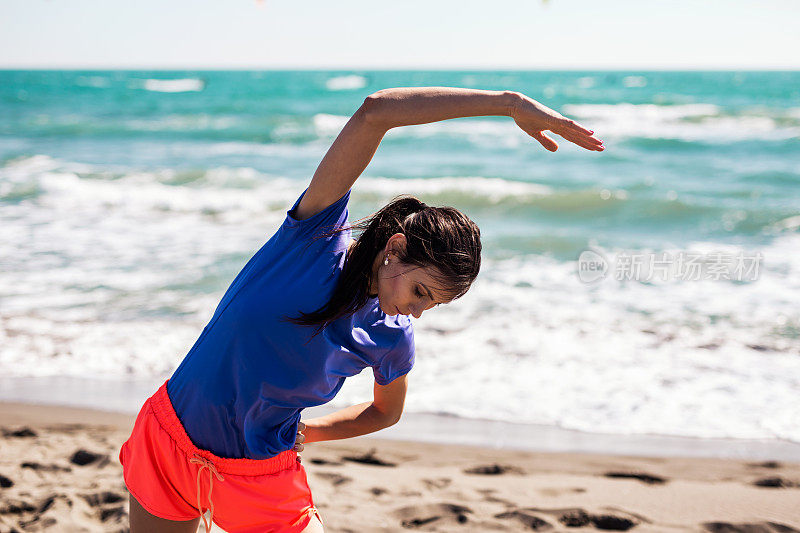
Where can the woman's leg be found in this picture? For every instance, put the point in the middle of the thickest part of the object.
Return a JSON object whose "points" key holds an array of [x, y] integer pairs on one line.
{"points": [[144, 522]]}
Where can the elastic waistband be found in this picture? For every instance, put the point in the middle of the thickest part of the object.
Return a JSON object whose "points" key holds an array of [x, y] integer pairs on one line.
{"points": [[168, 419]]}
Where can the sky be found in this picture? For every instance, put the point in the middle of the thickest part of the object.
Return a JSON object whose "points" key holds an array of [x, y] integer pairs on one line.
{"points": [[426, 34]]}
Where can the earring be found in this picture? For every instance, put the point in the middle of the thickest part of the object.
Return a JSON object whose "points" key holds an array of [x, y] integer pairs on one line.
{"points": [[386, 261]]}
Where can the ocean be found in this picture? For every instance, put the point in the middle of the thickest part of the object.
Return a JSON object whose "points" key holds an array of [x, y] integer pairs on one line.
{"points": [[129, 200]]}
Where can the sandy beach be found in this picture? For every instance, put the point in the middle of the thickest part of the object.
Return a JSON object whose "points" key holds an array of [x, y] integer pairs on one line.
{"points": [[59, 472]]}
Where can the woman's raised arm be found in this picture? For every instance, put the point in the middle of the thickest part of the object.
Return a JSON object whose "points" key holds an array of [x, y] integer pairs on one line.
{"points": [[353, 149], [418, 105]]}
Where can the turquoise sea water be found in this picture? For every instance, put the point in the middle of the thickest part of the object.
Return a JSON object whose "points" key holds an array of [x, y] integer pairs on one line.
{"points": [[130, 199]]}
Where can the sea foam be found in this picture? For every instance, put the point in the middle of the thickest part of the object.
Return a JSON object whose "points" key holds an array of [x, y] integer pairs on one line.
{"points": [[346, 83], [116, 275]]}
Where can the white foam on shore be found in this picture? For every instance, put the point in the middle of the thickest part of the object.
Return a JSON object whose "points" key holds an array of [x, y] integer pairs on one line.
{"points": [[700, 122], [217, 190], [492, 190], [346, 83], [327, 125]]}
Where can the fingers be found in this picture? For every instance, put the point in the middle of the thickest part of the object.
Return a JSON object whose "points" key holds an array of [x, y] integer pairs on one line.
{"points": [[545, 141], [569, 130], [300, 438], [590, 143], [575, 133], [573, 126]]}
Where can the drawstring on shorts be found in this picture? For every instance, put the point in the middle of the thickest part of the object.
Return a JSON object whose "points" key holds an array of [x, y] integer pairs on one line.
{"points": [[212, 473]]}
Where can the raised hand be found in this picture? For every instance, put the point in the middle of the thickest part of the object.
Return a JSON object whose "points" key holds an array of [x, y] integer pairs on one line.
{"points": [[534, 118]]}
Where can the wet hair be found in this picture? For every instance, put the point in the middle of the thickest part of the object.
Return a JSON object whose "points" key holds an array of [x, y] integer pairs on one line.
{"points": [[439, 237]]}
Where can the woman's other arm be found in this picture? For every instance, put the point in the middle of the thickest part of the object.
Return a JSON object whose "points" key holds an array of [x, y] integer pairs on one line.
{"points": [[356, 144], [385, 410]]}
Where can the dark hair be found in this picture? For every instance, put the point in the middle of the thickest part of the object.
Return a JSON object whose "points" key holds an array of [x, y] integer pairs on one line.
{"points": [[439, 237]]}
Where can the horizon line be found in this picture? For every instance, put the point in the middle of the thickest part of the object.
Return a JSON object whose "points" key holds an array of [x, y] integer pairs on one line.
{"points": [[244, 68]]}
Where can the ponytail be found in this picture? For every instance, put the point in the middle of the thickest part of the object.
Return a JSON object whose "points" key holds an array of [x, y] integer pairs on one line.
{"points": [[441, 237]]}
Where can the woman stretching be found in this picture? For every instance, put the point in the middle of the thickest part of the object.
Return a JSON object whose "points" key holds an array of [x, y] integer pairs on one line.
{"points": [[308, 310]]}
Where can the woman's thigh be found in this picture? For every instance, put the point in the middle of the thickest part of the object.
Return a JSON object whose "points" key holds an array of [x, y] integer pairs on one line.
{"points": [[144, 522]]}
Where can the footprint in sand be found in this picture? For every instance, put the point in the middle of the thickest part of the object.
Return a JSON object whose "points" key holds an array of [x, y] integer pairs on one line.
{"points": [[107, 503], [38, 523], [325, 462], [85, 457], [44, 512], [368, 458], [39, 467], [102, 498], [555, 492], [775, 483], [488, 496], [493, 470], [72, 429], [752, 527], [48, 502], [113, 514], [765, 464], [16, 507], [644, 478], [334, 478], [19, 433], [611, 522], [577, 517], [530, 521], [439, 483], [416, 516]]}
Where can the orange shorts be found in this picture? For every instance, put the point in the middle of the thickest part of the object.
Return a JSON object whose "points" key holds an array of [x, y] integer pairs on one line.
{"points": [[174, 479]]}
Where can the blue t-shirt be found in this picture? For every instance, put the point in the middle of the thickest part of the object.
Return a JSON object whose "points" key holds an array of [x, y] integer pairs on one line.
{"points": [[240, 389]]}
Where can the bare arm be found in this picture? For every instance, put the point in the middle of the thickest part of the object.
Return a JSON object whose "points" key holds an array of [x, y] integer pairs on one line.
{"points": [[356, 144], [368, 417], [404, 106]]}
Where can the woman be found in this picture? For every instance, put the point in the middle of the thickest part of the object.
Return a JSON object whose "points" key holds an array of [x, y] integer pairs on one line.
{"points": [[309, 309]]}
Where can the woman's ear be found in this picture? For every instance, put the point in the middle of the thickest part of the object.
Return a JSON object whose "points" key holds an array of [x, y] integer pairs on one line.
{"points": [[396, 244]]}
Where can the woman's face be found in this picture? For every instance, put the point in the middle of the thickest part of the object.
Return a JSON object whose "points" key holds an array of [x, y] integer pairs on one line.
{"points": [[404, 289], [407, 289]]}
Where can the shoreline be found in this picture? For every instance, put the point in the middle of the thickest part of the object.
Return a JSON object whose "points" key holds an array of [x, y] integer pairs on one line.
{"points": [[390, 485], [124, 398]]}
